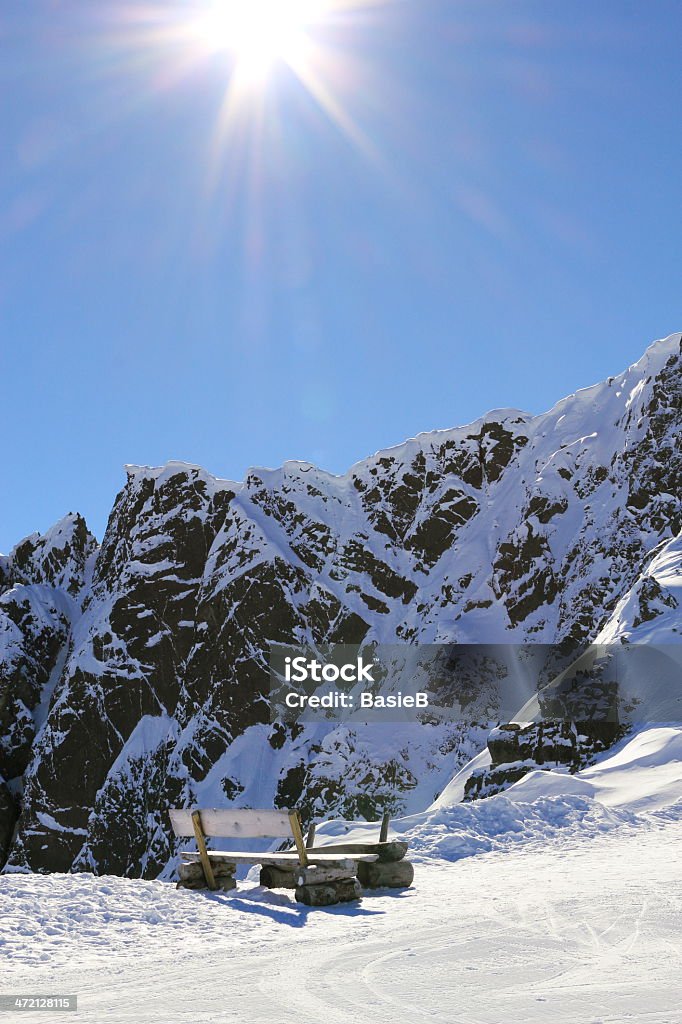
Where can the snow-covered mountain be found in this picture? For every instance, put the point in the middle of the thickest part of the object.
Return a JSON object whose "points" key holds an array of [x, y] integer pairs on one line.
{"points": [[131, 672]]}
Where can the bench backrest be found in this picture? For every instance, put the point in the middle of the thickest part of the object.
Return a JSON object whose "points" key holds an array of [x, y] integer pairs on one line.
{"points": [[230, 822], [250, 824]]}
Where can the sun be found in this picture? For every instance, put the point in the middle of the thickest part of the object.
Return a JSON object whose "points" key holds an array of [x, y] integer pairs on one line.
{"points": [[259, 33]]}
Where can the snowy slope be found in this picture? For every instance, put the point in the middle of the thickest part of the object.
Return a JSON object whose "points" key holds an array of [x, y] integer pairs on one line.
{"points": [[570, 912], [641, 775], [137, 676], [649, 612]]}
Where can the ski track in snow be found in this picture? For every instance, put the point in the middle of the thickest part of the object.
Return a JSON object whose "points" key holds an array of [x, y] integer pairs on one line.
{"points": [[576, 929]]}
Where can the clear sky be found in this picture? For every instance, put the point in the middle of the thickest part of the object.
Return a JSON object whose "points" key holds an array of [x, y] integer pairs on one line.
{"points": [[430, 210]]}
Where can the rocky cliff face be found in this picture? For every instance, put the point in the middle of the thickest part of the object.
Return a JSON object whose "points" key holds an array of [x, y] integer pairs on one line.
{"points": [[134, 674]]}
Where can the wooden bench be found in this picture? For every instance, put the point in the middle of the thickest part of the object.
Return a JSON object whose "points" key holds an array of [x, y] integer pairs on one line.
{"points": [[386, 868], [323, 877]]}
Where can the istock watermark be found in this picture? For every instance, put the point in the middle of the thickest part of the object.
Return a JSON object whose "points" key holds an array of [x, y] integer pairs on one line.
{"points": [[341, 682], [614, 684], [301, 669]]}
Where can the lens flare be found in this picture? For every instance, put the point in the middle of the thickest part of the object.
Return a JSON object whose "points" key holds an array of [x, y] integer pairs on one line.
{"points": [[259, 33]]}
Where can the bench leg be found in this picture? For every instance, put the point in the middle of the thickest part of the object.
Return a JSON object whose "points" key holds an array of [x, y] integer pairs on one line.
{"points": [[192, 875], [397, 874], [326, 894], [203, 852], [277, 878]]}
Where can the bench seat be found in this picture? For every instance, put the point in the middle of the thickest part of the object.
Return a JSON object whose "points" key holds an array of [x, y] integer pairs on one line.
{"points": [[391, 850], [286, 859]]}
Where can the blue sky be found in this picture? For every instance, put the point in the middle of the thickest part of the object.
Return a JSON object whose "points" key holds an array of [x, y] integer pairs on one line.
{"points": [[493, 220]]}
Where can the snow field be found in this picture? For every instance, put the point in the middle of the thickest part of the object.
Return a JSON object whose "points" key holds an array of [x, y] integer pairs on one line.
{"points": [[557, 902], [577, 929]]}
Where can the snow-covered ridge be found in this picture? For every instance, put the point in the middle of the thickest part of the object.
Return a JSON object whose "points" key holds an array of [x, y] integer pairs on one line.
{"points": [[174, 467], [630, 380]]}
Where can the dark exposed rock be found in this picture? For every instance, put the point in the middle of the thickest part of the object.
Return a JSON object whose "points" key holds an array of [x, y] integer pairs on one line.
{"points": [[8, 817], [484, 782], [58, 558], [541, 742], [516, 750]]}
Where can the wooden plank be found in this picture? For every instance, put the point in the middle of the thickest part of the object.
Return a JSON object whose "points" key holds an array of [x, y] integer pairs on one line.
{"points": [[296, 831], [310, 838], [383, 834], [203, 853], [290, 859], [393, 850], [232, 822]]}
